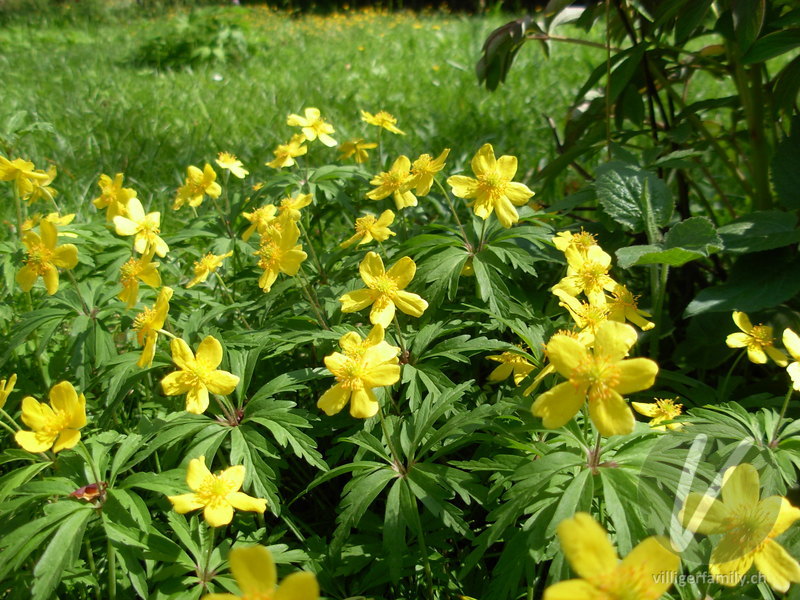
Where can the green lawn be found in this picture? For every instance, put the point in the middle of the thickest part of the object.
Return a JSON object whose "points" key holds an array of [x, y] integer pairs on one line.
{"points": [[106, 115]]}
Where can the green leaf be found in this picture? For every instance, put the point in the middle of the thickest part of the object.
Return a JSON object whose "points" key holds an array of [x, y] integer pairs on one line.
{"points": [[783, 169], [499, 50], [394, 531], [621, 189], [758, 280], [360, 492], [61, 552], [760, 230], [688, 240], [748, 18], [772, 45], [10, 482], [579, 488]]}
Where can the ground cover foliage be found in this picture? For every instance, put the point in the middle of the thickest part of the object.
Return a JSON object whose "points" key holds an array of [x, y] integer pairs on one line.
{"points": [[365, 344]]}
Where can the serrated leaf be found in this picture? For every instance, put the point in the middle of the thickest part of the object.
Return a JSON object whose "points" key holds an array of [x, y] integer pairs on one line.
{"points": [[760, 230], [688, 240], [621, 189], [60, 553]]}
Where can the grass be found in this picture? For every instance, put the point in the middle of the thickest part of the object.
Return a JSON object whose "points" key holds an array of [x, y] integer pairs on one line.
{"points": [[103, 114]]}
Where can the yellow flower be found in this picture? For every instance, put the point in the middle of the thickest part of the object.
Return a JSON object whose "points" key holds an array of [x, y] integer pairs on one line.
{"points": [[291, 205], [197, 376], [511, 363], [55, 426], [148, 322], [279, 252], [365, 364], [286, 153], [581, 241], [358, 148], [587, 317], [396, 181], [135, 270], [6, 387], [228, 161], [424, 169], [113, 197], [259, 219], [23, 173], [659, 411], [749, 527], [587, 273], [254, 571], [622, 306], [493, 189], [792, 343], [217, 495], [381, 119], [757, 339], [145, 227], [601, 375], [369, 228], [313, 126], [645, 574], [44, 257], [196, 186], [40, 187], [54, 218], [206, 266], [385, 290]]}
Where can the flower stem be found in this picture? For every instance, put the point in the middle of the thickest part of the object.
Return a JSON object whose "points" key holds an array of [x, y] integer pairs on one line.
{"points": [[723, 391], [312, 300], [168, 334], [483, 234], [314, 256], [467, 245], [206, 575], [398, 465], [7, 428], [87, 311], [112, 572], [400, 336], [10, 418], [784, 408]]}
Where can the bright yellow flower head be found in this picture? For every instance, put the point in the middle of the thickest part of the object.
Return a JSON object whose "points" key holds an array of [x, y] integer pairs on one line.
{"points": [[646, 573], [792, 343], [135, 270], [6, 387], [381, 119], [601, 375], [259, 219], [206, 266], [23, 173], [148, 322], [511, 363], [313, 126], [659, 411], [424, 169], [145, 227], [196, 186], [587, 317], [113, 197], [228, 161], [55, 426], [369, 228], [217, 495], [40, 187], [622, 307], [357, 148], [54, 218], [44, 258], [286, 153], [254, 571], [749, 526], [279, 252], [197, 376], [397, 181], [385, 290], [581, 241], [587, 273], [365, 364], [493, 189], [758, 340], [291, 205]]}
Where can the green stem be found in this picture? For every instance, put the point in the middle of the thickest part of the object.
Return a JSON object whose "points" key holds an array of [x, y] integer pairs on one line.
{"points": [[467, 245], [112, 572], [18, 204], [784, 408], [314, 256], [168, 334], [658, 307], [87, 311], [10, 418], [92, 567], [92, 465], [483, 235], [206, 574], [8, 428], [398, 465], [310, 296], [399, 335], [723, 396]]}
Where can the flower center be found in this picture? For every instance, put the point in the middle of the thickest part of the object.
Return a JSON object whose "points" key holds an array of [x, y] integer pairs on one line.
{"points": [[351, 374], [599, 374], [760, 336], [394, 180], [386, 285], [491, 184], [269, 254], [40, 258], [201, 372], [590, 274], [214, 491], [667, 409], [144, 319], [205, 264], [130, 271], [364, 224]]}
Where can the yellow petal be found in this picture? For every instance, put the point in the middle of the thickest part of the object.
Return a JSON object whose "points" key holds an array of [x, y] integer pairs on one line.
{"points": [[654, 562], [500, 373], [779, 568], [704, 514], [463, 187], [197, 473], [410, 303], [218, 515], [402, 272], [242, 501], [484, 160], [506, 213], [372, 270], [382, 311], [518, 193], [254, 570], [741, 486], [124, 226], [559, 404], [611, 415], [507, 167], [197, 399], [35, 442], [209, 352], [222, 382], [571, 589], [334, 400], [26, 277], [566, 353], [176, 383], [787, 515], [635, 374], [728, 564], [357, 300], [792, 343], [63, 397], [648, 409], [363, 404], [742, 321], [68, 438], [737, 340], [185, 503], [233, 476], [613, 340], [381, 375], [298, 586], [50, 278], [182, 355], [756, 355], [794, 372], [586, 546], [66, 256]]}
